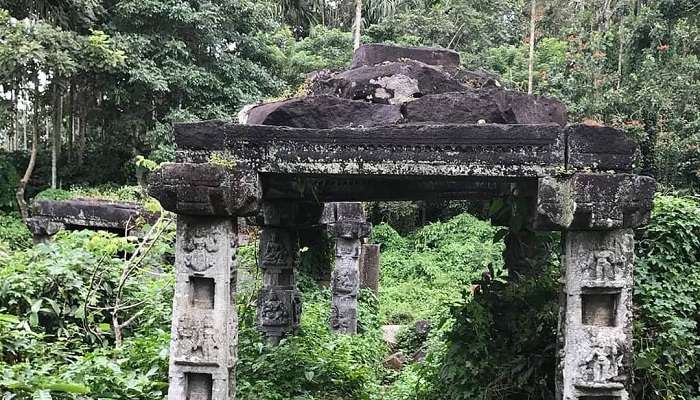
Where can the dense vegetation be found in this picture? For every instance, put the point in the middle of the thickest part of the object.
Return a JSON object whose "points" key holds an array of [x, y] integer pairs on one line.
{"points": [[58, 341], [90, 90]]}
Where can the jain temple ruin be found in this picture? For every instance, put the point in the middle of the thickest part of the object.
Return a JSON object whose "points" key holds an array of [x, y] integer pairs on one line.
{"points": [[402, 124]]}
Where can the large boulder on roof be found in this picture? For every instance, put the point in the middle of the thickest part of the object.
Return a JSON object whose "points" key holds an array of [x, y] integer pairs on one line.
{"points": [[371, 54], [387, 83], [324, 112], [493, 105]]}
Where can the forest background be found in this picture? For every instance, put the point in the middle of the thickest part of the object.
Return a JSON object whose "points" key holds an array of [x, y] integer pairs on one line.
{"points": [[92, 88]]}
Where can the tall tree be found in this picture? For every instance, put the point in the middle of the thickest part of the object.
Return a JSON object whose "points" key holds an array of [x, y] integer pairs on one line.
{"points": [[531, 60]]}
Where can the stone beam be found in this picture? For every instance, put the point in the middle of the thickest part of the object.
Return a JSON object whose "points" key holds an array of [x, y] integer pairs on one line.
{"points": [[412, 149], [49, 216], [594, 202], [402, 150]]}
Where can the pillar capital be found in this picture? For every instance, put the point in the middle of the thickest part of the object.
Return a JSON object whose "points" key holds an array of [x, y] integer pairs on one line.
{"points": [[588, 201]]}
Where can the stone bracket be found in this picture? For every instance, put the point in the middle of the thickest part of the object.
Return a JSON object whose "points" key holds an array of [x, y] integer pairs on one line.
{"points": [[593, 202], [205, 189]]}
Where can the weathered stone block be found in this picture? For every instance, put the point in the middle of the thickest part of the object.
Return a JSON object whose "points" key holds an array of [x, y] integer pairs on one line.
{"points": [[204, 189], [594, 202], [371, 54], [324, 112], [494, 105], [404, 150], [369, 267], [388, 83], [600, 149], [50, 216]]}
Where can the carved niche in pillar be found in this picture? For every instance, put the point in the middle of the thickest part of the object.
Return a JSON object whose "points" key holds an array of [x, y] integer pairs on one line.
{"points": [[279, 310]]}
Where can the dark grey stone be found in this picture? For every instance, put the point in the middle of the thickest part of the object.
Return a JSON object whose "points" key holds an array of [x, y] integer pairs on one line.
{"points": [[388, 83], [50, 216], [493, 105], [324, 112], [371, 54]]}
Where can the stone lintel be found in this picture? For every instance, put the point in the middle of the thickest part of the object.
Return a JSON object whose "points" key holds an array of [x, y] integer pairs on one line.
{"points": [[290, 214], [50, 216], [594, 202], [205, 189], [414, 149], [403, 150]]}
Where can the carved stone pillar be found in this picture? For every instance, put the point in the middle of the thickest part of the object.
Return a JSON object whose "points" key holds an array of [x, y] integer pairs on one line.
{"points": [[279, 303], [349, 228], [205, 325], [369, 267], [595, 337]]}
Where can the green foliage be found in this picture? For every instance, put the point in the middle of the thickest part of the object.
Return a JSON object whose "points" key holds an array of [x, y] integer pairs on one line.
{"points": [[14, 232], [55, 329], [315, 364], [667, 296], [9, 178], [323, 48], [427, 272], [104, 192]]}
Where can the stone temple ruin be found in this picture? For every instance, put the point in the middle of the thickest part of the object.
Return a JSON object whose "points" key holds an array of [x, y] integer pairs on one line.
{"points": [[401, 124], [50, 216]]}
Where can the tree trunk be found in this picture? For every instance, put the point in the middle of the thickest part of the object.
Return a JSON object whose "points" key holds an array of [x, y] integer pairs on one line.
{"points": [[55, 138], [620, 50], [531, 62], [71, 121], [19, 195], [358, 24]]}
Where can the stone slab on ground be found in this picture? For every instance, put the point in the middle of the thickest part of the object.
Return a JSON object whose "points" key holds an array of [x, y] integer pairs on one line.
{"points": [[49, 216]]}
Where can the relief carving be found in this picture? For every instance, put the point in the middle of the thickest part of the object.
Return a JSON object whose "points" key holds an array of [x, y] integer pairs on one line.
{"points": [[196, 340], [201, 246], [604, 265], [347, 248], [345, 281], [275, 251], [274, 311], [342, 320], [603, 365]]}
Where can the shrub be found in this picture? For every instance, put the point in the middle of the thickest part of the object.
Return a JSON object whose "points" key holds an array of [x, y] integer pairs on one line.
{"points": [[667, 300]]}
